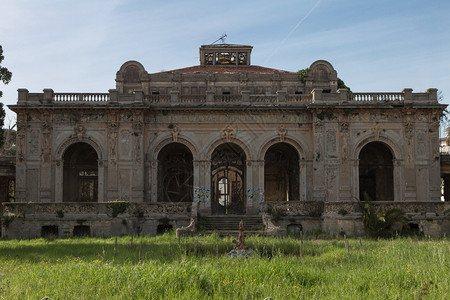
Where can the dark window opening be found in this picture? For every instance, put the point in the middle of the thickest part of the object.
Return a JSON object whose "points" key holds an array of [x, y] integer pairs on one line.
{"points": [[163, 228], [326, 91], [298, 92], [175, 174], [281, 173], [81, 231], [49, 231], [376, 180]]}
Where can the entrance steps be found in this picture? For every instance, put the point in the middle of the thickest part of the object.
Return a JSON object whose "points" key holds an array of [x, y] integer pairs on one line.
{"points": [[226, 225]]}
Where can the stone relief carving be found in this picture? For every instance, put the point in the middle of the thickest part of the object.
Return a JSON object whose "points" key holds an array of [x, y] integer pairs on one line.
{"points": [[228, 132], [175, 132], [80, 131], [46, 145], [376, 130], [331, 142], [282, 131], [33, 142]]}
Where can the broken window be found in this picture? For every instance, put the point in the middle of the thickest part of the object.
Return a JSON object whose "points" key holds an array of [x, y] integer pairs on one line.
{"points": [[376, 179], [175, 174], [209, 58], [227, 176], [242, 58], [281, 173], [225, 58]]}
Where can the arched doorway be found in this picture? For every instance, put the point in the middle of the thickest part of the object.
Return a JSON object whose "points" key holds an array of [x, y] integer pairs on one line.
{"points": [[175, 174], [228, 179], [80, 174], [376, 172], [281, 173]]}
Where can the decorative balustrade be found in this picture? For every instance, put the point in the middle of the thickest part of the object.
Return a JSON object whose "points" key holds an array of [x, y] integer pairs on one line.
{"points": [[158, 98], [192, 99], [377, 97], [299, 98], [263, 99], [286, 208], [80, 97], [93, 208], [228, 98]]}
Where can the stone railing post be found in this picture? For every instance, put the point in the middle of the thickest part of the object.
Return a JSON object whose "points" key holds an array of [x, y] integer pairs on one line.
{"points": [[245, 97], [23, 96], [407, 95], [281, 95], [113, 96], [48, 96], [432, 95], [317, 95], [138, 96], [174, 97], [210, 97], [343, 94]]}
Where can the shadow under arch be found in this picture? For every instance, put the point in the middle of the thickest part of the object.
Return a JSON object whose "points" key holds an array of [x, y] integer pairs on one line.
{"points": [[80, 173], [175, 173], [376, 172]]}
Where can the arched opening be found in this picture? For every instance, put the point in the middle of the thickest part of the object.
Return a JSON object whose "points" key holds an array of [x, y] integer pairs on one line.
{"points": [[175, 174], [376, 178], [228, 179], [80, 179], [281, 173]]}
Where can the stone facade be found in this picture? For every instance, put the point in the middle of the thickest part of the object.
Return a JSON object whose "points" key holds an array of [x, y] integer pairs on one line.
{"points": [[231, 137]]}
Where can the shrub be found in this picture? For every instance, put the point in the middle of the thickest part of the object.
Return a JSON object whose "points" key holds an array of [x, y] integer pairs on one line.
{"points": [[118, 207]]}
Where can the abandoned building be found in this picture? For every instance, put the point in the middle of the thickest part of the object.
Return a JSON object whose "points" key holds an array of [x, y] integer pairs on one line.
{"points": [[224, 140]]}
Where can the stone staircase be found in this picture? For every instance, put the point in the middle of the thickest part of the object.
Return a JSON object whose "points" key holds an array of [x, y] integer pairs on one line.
{"points": [[226, 225]]}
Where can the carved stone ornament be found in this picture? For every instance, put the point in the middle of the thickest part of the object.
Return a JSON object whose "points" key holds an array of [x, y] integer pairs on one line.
{"points": [[175, 133], [282, 132], [376, 130], [228, 132], [344, 126], [210, 76], [137, 126], [409, 130], [80, 130]]}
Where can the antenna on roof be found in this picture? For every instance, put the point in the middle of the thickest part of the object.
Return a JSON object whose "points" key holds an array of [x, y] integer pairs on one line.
{"points": [[222, 39]]}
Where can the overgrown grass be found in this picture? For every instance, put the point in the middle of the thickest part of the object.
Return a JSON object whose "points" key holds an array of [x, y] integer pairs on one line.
{"points": [[189, 268]]}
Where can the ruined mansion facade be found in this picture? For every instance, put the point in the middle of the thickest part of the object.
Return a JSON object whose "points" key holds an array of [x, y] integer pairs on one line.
{"points": [[224, 138]]}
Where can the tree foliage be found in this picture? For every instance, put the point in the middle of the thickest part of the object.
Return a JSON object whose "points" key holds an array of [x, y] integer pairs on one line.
{"points": [[5, 77]]}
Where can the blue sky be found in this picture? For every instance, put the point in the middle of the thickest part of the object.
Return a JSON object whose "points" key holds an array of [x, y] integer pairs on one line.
{"points": [[78, 46]]}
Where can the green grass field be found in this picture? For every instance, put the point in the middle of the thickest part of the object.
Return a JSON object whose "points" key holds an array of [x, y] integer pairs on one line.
{"points": [[190, 268]]}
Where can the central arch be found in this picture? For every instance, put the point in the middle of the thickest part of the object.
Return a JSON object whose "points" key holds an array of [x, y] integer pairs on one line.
{"points": [[228, 179], [80, 173]]}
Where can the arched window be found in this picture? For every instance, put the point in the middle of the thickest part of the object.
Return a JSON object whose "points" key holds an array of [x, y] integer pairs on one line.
{"points": [[175, 174], [281, 173], [80, 179], [228, 179], [376, 179]]}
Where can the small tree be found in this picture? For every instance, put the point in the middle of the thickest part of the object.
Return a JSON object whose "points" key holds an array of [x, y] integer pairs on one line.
{"points": [[5, 77]]}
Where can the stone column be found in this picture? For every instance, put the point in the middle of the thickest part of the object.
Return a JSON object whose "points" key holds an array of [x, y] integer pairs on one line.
{"points": [[154, 181], [59, 177], [101, 181]]}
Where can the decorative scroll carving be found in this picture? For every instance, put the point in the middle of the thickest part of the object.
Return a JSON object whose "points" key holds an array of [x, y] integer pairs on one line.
{"points": [[228, 132], [282, 131]]}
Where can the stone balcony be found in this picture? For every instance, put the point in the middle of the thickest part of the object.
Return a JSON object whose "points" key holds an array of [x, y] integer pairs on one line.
{"points": [[174, 99]]}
